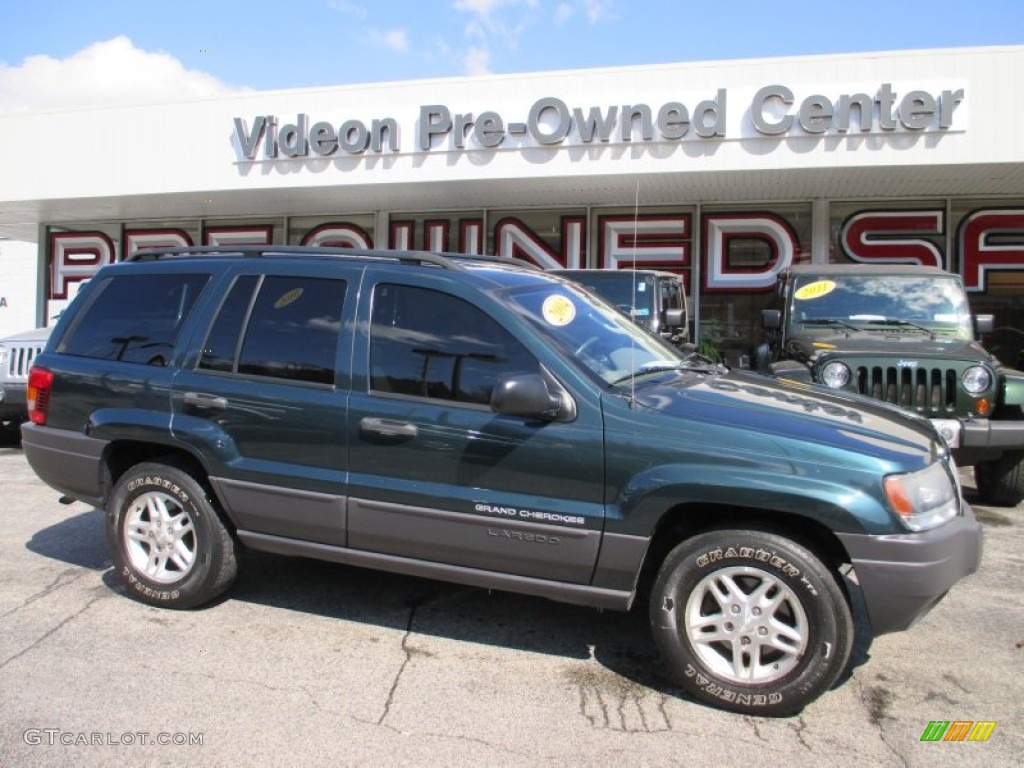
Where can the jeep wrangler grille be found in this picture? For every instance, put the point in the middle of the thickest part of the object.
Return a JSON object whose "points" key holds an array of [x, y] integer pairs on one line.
{"points": [[928, 390], [20, 357]]}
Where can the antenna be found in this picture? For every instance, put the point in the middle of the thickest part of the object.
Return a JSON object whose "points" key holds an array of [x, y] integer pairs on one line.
{"points": [[632, 303]]}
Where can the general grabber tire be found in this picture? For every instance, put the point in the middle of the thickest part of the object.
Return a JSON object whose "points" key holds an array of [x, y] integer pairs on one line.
{"points": [[750, 621], [165, 538]]}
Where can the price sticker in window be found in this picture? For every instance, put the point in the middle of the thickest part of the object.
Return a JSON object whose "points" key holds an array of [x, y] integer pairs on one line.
{"points": [[815, 290], [289, 298], [558, 310]]}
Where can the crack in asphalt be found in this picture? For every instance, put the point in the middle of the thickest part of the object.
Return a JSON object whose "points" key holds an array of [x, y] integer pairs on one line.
{"points": [[58, 583], [607, 699], [53, 630], [798, 727], [876, 701], [755, 725], [413, 607]]}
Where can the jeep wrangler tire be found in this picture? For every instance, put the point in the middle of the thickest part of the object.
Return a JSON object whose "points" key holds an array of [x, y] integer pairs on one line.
{"points": [[1001, 481], [750, 621], [166, 540]]}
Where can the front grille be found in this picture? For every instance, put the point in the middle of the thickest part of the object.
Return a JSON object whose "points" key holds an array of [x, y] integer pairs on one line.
{"points": [[927, 390], [20, 357]]}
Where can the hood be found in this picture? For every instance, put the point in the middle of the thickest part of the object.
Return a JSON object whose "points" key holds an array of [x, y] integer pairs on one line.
{"points": [[36, 334], [905, 344], [802, 416]]}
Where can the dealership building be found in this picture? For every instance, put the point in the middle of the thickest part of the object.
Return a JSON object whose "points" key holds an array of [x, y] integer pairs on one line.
{"points": [[726, 172]]}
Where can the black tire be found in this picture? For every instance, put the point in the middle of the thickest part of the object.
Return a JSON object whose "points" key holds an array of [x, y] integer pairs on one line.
{"points": [[800, 629], [10, 431], [1001, 481], [166, 540]]}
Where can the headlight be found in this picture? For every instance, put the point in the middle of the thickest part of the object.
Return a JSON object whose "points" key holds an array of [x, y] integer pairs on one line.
{"points": [[924, 499], [3, 356], [976, 379], [835, 375]]}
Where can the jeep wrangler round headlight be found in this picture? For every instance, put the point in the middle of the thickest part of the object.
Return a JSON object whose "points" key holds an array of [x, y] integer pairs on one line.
{"points": [[976, 379], [924, 499], [835, 375]]}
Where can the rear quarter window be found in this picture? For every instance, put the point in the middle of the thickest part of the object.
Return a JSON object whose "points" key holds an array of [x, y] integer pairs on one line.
{"points": [[134, 318]]}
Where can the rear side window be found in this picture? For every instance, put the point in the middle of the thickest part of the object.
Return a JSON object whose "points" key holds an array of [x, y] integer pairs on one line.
{"points": [[134, 318], [278, 326]]}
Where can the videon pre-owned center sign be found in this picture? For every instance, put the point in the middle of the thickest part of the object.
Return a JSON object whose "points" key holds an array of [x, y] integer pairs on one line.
{"points": [[774, 111]]}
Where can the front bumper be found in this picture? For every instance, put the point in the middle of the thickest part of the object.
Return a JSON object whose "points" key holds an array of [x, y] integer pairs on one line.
{"points": [[12, 401], [903, 576], [985, 433]]}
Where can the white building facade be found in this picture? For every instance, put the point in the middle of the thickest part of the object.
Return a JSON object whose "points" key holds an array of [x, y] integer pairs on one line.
{"points": [[727, 172]]}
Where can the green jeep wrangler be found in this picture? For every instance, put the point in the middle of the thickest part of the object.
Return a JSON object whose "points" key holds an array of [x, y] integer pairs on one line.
{"points": [[905, 335]]}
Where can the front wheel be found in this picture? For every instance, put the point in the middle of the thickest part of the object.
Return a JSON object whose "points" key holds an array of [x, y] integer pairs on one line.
{"points": [[165, 538], [1001, 481], [750, 621]]}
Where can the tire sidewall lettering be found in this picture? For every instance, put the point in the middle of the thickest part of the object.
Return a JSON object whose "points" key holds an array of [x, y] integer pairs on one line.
{"points": [[766, 557]]}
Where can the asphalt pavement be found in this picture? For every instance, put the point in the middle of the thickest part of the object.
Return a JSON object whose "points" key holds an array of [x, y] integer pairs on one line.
{"points": [[309, 663]]}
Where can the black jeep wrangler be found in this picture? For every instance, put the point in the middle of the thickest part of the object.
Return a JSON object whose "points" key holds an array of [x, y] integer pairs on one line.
{"points": [[904, 335], [483, 422]]}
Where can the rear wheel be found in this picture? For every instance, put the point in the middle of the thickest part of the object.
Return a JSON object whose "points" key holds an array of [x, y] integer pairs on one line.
{"points": [[1001, 481], [165, 538], [750, 621]]}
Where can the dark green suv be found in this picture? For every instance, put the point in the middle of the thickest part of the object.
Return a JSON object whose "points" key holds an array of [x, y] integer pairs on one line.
{"points": [[905, 335], [481, 421]]}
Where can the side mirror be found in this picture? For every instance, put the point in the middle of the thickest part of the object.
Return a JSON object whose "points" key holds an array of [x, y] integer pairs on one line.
{"points": [[771, 319], [984, 324], [675, 318], [527, 395]]}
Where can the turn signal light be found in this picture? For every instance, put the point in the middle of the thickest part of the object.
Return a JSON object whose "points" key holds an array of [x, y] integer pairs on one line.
{"points": [[981, 406]]}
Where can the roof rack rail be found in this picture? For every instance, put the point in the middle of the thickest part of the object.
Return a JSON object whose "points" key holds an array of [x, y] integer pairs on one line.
{"points": [[435, 258]]}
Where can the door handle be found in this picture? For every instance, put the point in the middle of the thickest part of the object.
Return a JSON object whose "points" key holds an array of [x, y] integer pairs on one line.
{"points": [[396, 430], [203, 400]]}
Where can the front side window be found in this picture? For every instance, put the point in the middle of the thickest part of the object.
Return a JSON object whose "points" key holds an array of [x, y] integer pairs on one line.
{"points": [[134, 318], [428, 344], [288, 326]]}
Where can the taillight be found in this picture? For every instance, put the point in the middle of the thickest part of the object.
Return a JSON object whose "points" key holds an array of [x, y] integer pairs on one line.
{"points": [[37, 397]]}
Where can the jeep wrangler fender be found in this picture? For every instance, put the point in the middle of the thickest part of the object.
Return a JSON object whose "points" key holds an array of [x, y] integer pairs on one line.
{"points": [[1013, 387]]}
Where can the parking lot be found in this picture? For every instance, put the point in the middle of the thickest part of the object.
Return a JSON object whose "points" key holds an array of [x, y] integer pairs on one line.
{"points": [[307, 662]]}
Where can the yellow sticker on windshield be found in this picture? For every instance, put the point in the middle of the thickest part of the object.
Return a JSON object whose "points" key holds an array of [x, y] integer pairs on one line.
{"points": [[289, 298], [558, 310], [815, 290]]}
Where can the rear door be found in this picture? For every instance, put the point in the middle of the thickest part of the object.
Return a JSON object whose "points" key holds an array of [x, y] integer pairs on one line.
{"points": [[263, 401], [435, 474]]}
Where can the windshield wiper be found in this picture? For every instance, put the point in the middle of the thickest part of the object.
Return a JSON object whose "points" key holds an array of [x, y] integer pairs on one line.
{"points": [[900, 322], [694, 363], [829, 321]]}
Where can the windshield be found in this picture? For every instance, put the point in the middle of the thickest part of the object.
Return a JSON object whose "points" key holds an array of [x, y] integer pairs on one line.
{"points": [[923, 303], [591, 330]]}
